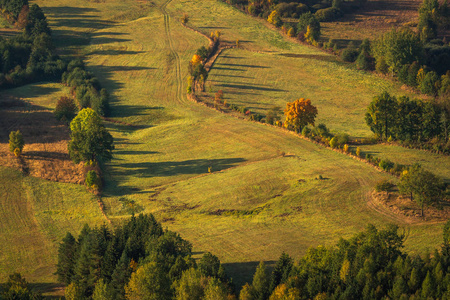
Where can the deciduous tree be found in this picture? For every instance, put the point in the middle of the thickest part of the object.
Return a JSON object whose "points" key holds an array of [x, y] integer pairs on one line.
{"points": [[299, 114], [90, 139], [381, 114]]}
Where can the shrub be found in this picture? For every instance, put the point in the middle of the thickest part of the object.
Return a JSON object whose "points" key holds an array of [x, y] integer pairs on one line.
{"points": [[321, 130], [430, 83], [345, 148], [349, 54], [306, 131], [333, 142], [402, 74], [386, 164], [364, 61], [274, 18], [202, 52], [358, 151], [384, 186], [16, 142], [65, 109], [412, 74], [93, 180], [327, 14], [308, 19], [342, 138], [382, 66], [185, 18]]}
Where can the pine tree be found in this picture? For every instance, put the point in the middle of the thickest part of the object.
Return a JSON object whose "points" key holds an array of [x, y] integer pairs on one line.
{"points": [[66, 259], [281, 271], [120, 277], [428, 286], [261, 282]]}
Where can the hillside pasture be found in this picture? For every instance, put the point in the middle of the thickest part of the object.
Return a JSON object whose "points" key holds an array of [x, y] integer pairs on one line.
{"points": [[35, 216], [241, 190]]}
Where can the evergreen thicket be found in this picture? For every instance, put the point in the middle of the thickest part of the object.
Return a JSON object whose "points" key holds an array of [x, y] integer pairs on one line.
{"points": [[138, 260]]}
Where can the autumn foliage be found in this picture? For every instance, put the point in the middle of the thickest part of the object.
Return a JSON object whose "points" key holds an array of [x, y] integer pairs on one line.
{"points": [[299, 114]]}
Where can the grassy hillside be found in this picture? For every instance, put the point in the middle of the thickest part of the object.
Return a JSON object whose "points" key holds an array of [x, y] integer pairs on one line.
{"points": [[242, 190], [35, 216]]}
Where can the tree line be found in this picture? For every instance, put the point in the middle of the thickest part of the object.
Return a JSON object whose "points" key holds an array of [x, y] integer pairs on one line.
{"points": [[412, 121], [370, 265], [29, 56]]}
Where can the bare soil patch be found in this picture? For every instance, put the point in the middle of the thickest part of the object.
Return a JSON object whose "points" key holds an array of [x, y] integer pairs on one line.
{"points": [[45, 154], [409, 210]]}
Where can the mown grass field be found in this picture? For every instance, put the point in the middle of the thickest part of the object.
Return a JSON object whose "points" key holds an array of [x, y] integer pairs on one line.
{"points": [[242, 190], [35, 215]]}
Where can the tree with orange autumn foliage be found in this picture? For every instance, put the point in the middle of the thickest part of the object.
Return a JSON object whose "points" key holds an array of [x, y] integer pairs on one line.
{"points": [[299, 114]]}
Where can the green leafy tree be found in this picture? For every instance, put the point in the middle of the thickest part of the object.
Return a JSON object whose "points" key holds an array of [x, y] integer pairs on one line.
{"points": [[398, 47], [16, 142], [247, 292], [90, 141], [100, 291], [73, 292], [261, 282], [149, 282], [425, 187], [190, 286], [309, 19], [65, 109], [381, 114], [215, 290]]}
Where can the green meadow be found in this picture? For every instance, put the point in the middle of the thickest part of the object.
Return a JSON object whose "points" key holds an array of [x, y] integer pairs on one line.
{"points": [[242, 190]]}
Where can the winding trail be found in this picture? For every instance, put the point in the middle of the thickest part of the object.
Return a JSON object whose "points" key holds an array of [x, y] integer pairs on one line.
{"points": [[162, 8]]}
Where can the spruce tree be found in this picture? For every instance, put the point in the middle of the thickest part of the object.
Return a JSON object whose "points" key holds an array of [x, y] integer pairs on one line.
{"points": [[261, 282], [66, 259]]}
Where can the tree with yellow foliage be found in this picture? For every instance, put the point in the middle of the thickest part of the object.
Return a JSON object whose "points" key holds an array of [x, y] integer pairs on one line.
{"points": [[196, 59], [274, 18], [299, 114]]}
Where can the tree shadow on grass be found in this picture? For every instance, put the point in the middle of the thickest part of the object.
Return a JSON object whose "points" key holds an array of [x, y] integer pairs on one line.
{"points": [[237, 76], [244, 66], [328, 58], [33, 90], [173, 168], [250, 87], [232, 57], [37, 125], [227, 69]]}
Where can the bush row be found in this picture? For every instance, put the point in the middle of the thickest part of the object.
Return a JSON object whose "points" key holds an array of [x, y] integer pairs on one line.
{"points": [[86, 88]]}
